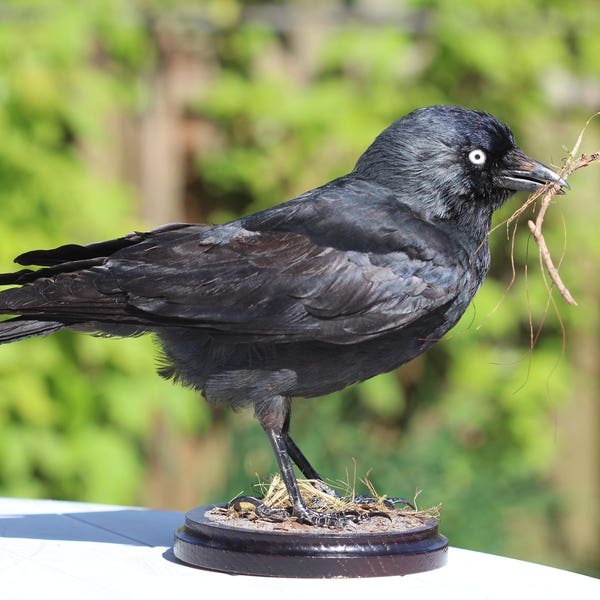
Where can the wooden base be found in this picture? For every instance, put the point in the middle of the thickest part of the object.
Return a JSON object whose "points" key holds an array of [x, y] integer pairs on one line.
{"points": [[204, 543]]}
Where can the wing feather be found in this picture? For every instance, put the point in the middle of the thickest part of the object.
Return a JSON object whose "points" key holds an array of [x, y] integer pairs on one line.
{"points": [[342, 264], [282, 285]]}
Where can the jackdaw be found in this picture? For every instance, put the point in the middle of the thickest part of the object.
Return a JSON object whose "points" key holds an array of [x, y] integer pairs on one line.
{"points": [[335, 286]]}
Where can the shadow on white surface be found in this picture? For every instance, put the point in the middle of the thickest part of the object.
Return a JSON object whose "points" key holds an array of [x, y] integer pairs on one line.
{"points": [[123, 526]]}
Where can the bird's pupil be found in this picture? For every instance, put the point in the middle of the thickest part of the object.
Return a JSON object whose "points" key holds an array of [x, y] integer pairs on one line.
{"points": [[477, 157]]}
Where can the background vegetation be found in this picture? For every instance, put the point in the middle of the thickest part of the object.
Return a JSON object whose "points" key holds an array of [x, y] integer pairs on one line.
{"points": [[118, 115]]}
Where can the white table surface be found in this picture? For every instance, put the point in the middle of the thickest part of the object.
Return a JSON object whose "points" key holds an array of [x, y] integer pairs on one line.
{"points": [[51, 549]]}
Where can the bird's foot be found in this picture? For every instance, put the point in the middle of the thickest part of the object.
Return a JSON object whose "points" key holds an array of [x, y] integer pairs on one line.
{"points": [[306, 515], [388, 503], [334, 520], [261, 510]]}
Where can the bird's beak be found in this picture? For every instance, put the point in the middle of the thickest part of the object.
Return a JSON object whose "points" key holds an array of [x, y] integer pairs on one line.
{"points": [[524, 173]]}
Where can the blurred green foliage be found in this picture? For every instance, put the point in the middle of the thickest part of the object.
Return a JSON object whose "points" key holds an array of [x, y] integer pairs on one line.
{"points": [[472, 424], [76, 413]]}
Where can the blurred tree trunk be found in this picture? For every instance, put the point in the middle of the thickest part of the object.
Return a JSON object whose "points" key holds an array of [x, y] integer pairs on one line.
{"points": [[166, 135], [577, 470]]}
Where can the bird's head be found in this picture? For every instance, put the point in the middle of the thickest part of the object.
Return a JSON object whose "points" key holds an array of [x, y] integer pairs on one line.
{"points": [[448, 162]]}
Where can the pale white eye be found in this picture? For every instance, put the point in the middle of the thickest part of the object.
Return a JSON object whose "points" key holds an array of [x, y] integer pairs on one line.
{"points": [[477, 157]]}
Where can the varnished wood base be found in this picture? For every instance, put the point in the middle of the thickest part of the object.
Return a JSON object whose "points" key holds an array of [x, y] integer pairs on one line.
{"points": [[323, 554]]}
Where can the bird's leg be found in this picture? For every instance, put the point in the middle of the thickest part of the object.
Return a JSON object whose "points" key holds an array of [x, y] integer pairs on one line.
{"points": [[310, 473], [301, 461], [274, 417], [299, 508]]}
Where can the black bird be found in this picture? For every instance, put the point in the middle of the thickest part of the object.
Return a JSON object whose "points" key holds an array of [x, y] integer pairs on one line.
{"points": [[342, 283]]}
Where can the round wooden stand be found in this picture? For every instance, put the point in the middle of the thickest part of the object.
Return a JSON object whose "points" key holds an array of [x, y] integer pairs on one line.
{"points": [[204, 543]]}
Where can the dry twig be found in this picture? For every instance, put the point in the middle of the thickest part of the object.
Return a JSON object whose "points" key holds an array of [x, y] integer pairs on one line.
{"points": [[547, 193]]}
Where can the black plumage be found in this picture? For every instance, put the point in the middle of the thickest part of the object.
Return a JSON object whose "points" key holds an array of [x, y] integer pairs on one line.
{"points": [[342, 283]]}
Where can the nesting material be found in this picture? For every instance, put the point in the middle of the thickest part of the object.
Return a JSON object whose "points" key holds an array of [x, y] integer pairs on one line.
{"points": [[542, 199], [374, 517]]}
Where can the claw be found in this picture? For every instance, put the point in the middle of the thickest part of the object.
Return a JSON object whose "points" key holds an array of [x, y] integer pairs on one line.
{"points": [[378, 513], [260, 508], [369, 514], [237, 502], [392, 502], [387, 502]]}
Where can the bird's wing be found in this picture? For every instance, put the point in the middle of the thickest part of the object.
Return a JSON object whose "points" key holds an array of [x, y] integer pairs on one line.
{"points": [[290, 285], [71, 253], [345, 263]]}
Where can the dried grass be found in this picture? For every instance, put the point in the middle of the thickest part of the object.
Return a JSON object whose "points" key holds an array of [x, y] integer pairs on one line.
{"points": [[379, 515]]}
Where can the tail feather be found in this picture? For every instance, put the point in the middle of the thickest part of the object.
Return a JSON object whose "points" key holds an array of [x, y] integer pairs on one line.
{"points": [[19, 328]]}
